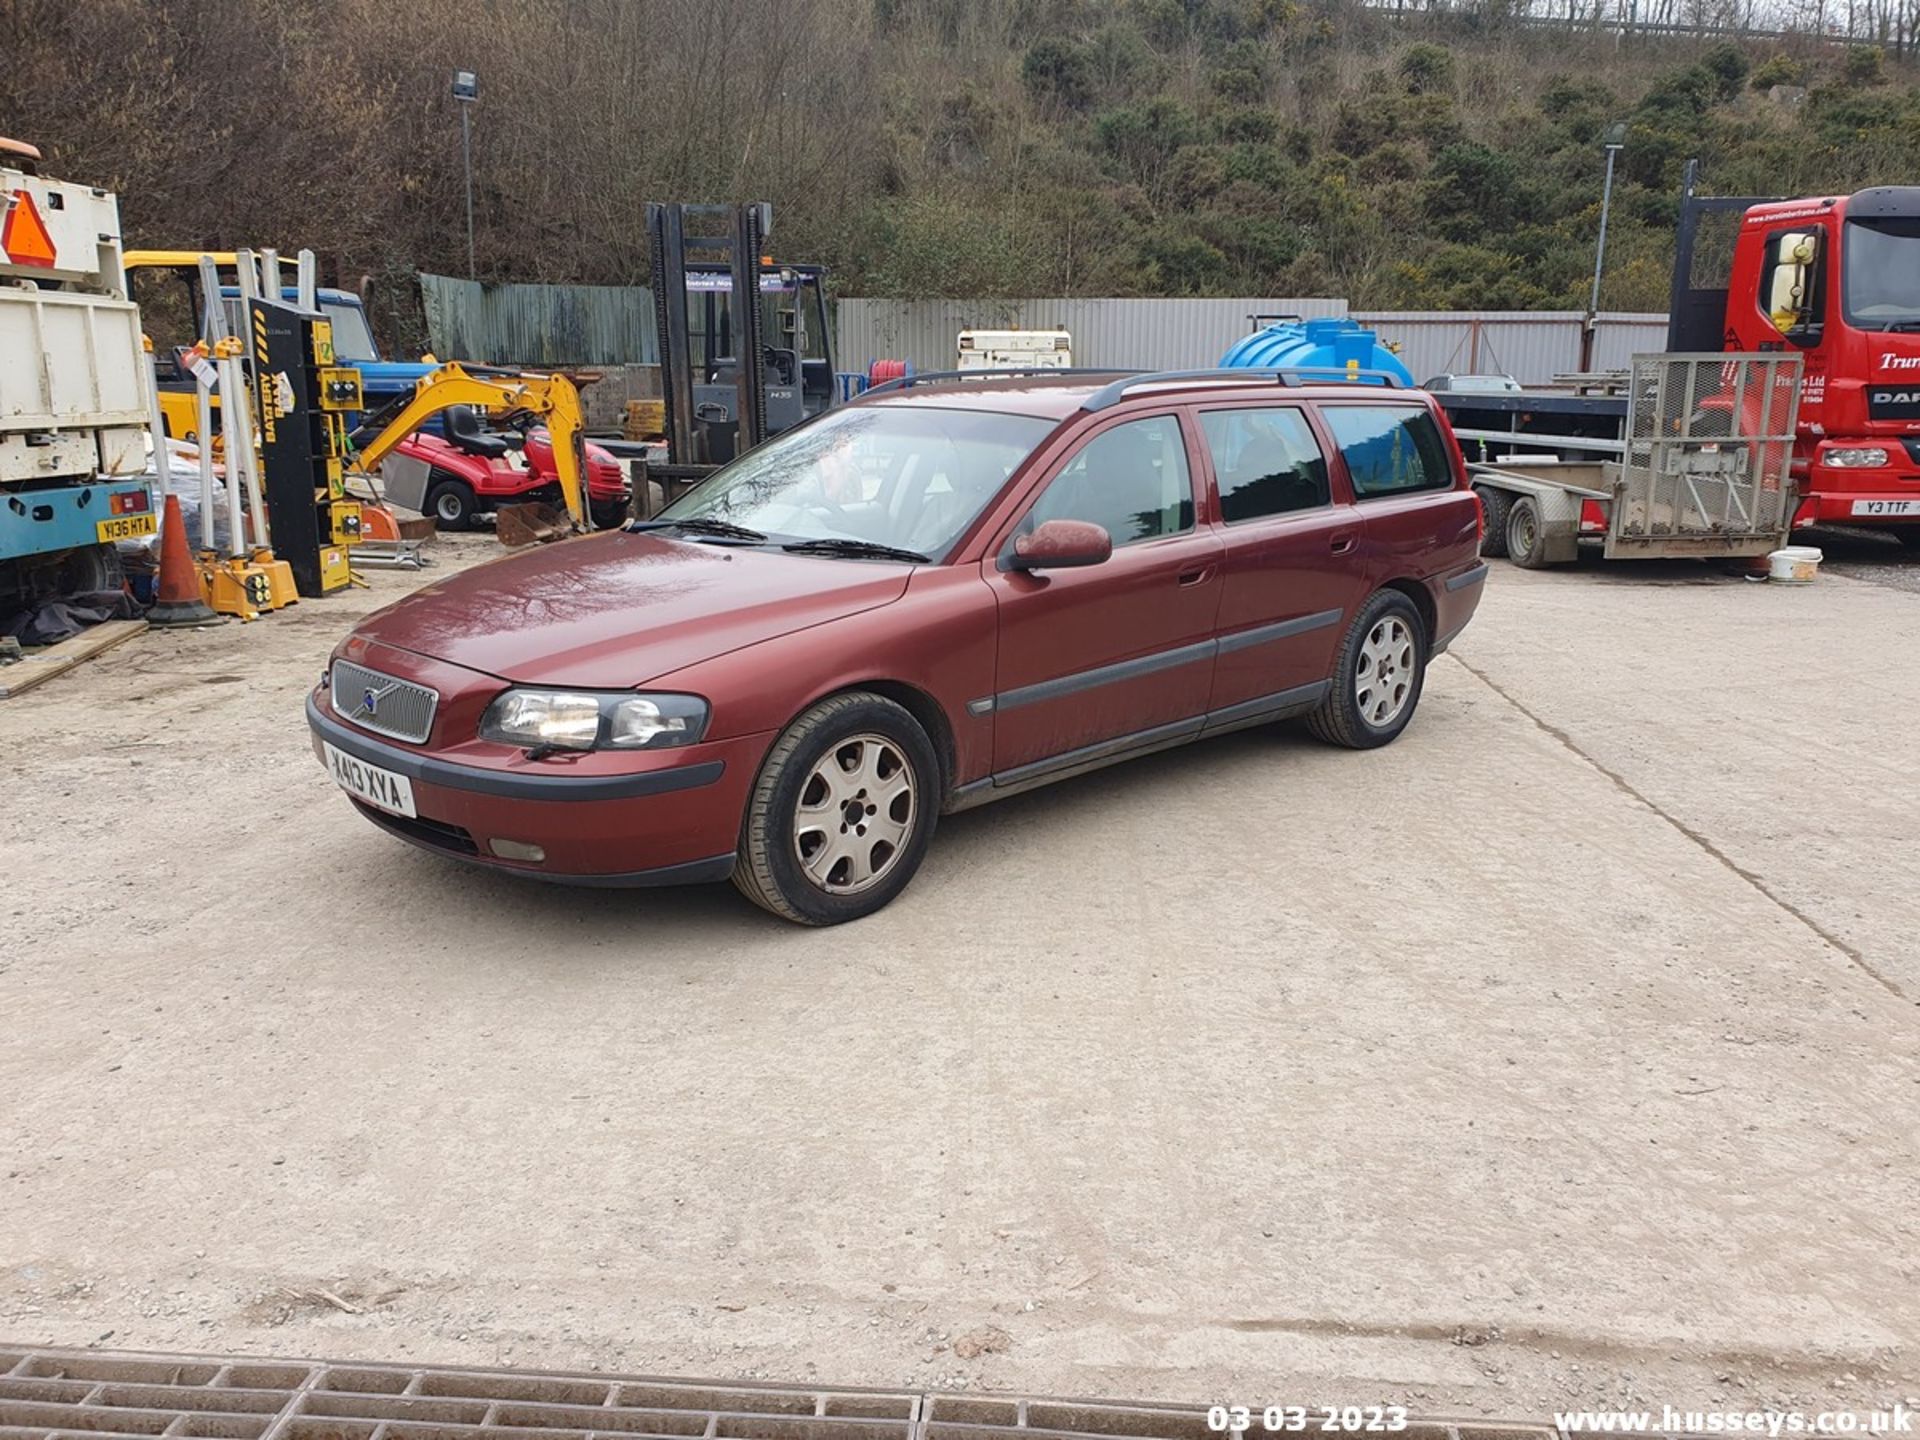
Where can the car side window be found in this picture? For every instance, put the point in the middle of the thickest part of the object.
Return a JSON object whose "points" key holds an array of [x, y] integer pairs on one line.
{"points": [[1132, 480], [1389, 449], [1265, 462]]}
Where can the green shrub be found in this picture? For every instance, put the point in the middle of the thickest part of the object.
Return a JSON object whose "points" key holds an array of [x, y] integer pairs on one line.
{"points": [[1058, 71], [1425, 69], [1778, 70], [1865, 65], [1729, 65]]}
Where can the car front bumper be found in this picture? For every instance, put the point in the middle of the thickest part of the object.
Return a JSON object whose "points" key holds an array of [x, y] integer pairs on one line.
{"points": [[667, 825]]}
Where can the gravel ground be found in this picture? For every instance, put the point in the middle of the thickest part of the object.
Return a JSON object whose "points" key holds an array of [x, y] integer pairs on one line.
{"points": [[1563, 1053]]}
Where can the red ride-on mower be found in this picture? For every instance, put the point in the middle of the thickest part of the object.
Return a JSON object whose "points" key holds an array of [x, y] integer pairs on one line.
{"points": [[473, 470]]}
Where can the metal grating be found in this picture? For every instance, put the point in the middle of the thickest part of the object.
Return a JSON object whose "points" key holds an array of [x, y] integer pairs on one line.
{"points": [[50, 1394]]}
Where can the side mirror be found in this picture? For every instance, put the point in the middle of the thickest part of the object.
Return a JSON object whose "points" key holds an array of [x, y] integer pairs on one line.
{"points": [[1061, 545]]}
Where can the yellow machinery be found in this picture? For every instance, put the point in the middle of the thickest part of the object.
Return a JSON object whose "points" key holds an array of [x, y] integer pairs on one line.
{"points": [[552, 399]]}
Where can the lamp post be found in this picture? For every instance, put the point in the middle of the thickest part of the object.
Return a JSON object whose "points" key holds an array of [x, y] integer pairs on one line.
{"points": [[466, 94], [1615, 140]]}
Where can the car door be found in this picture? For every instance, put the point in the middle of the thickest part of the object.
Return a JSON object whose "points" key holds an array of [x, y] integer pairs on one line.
{"points": [[1292, 572], [1412, 511], [1120, 653]]}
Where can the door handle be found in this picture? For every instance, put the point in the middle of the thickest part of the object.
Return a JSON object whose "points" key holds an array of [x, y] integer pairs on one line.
{"points": [[1342, 542], [1198, 575]]}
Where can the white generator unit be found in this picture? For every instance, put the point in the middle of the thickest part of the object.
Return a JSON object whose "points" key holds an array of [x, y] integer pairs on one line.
{"points": [[1015, 349]]}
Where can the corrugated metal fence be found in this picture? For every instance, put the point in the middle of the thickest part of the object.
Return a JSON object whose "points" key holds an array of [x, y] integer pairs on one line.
{"points": [[1532, 346], [1124, 334], [539, 324], [613, 325]]}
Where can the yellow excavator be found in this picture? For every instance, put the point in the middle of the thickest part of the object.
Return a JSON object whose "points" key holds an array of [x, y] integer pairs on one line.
{"points": [[551, 399]]}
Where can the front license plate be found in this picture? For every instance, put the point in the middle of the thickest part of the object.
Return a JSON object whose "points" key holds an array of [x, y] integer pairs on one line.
{"points": [[1886, 507], [127, 527], [382, 789]]}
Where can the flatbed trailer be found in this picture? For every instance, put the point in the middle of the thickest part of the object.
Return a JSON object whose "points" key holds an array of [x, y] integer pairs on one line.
{"points": [[1695, 460]]}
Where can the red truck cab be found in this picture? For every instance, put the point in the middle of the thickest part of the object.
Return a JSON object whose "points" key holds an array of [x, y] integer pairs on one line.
{"points": [[1837, 279]]}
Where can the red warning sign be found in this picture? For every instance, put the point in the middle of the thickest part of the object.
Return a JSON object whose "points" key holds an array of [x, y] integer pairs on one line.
{"points": [[24, 238]]}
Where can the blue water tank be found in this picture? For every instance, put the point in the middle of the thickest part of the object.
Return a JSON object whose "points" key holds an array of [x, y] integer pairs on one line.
{"points": [[1331, 344]]}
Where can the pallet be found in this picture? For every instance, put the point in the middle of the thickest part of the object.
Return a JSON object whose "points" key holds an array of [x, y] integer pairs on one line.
{"points": [[40, 666]]}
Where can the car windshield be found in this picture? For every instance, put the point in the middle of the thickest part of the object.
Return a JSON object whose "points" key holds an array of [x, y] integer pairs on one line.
{"points": [[908, 477]]}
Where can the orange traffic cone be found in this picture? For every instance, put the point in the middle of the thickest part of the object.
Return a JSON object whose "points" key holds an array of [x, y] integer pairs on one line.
{"points": [[178, 600]]}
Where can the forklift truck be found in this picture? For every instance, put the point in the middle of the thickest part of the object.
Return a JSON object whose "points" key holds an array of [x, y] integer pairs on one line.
{"points": [[717, 405]]}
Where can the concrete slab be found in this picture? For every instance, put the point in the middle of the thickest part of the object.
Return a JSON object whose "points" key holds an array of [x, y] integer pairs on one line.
{"points": [[1497, 1072]]}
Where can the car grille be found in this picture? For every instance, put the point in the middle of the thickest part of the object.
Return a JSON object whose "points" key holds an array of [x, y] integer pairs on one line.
{"points": [[401, 708]]}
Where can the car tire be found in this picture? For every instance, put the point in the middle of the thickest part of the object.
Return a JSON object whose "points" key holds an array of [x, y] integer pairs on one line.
{"points": [[1378, 674], [1525, 543], [451, 503], [1494, 505], [835, 771]]}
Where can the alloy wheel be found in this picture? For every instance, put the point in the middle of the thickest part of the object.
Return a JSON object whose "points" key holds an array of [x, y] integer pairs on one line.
{"points": [[855, 812], [1383, 672]]}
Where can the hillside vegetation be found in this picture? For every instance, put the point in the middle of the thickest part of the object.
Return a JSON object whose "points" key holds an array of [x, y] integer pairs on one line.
{"points": [[943, 147]]}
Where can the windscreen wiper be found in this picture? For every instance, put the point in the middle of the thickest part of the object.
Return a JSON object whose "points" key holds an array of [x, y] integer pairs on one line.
{"points": [[857, 550], [697, 525]]}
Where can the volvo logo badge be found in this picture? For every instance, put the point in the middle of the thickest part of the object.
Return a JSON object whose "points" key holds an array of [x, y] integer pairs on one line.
{"points": [[370, 702]]}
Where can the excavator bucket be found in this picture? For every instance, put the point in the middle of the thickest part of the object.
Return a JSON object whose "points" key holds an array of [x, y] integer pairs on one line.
{"points": [[534, 523]]}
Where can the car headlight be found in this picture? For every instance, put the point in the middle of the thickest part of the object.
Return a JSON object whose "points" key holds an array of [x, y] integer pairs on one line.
{"points": [[594, 720], [1855, 457]]}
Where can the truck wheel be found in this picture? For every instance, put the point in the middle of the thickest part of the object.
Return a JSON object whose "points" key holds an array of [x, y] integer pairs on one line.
{"points": [[1494, 504], [842, 813], [1525, 542], [450, 501], [97, 567], [1377, 675]]}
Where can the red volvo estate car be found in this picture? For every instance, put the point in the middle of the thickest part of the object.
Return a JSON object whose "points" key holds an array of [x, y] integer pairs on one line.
{"points": [[932, 597]]}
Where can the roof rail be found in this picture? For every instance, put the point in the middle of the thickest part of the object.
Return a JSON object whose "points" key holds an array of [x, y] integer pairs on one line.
{"points": [[924, 377], [1109, 395]]}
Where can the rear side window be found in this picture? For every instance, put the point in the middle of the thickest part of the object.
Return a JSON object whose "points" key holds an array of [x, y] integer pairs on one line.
{"points": [[1266, 462], [1389, 449], [1132, 480]]}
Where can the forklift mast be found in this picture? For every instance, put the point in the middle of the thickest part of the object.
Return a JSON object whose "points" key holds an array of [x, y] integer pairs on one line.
{"points": [[746, 350], [732, 235]]}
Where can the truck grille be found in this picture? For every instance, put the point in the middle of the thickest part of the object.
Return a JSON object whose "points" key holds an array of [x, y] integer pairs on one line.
{"points": [[400, 708]]}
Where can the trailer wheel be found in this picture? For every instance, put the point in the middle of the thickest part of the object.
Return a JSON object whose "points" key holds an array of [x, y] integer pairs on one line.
{"points": [[1524, 540], [1494, 505], [450, 501]]}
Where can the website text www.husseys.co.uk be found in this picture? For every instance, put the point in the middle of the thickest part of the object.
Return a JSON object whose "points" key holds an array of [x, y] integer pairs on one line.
{"points": [[1668, 1420]]}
